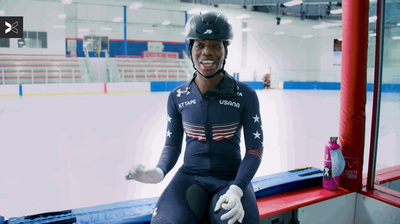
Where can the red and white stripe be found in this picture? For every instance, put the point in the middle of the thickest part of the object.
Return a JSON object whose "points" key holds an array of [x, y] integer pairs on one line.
{"points": [[224, 131], [256, 152], [195, 131]]}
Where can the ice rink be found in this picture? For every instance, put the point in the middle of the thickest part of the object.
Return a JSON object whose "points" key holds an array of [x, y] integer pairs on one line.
{"points": [[72, 151]]}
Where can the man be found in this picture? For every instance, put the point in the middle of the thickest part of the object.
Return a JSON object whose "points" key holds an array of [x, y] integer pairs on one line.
{"points": [[214, 183]]}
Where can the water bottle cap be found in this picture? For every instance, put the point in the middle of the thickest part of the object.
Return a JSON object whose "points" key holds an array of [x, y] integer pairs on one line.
{"points": [[334, 139]]}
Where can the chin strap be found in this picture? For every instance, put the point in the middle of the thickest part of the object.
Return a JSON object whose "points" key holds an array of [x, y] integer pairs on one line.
{"points": [[211, 76]]}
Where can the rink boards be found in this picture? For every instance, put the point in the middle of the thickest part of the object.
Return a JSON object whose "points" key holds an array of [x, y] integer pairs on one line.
{"points": [[140, 211]]}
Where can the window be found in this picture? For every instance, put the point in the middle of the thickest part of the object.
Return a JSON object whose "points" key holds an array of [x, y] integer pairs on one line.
{"points": [[4, 42], [92, 43], [33, 39], [385, 145]]}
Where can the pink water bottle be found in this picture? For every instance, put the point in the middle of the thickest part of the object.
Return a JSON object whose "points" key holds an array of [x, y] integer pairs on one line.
{"points": [[329, 182]]}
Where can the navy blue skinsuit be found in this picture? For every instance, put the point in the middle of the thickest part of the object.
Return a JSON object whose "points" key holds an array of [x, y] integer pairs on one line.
{"points": [[212, 123]]}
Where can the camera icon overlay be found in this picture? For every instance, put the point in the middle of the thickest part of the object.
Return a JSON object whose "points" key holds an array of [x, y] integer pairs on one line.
{"points": [[11, 27]]}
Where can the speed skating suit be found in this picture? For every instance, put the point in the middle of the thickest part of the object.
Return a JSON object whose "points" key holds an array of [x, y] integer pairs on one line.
{"points": [[212, 124]]}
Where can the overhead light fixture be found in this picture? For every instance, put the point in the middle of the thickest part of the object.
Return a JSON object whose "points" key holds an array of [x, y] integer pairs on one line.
{"points": [[372, 19], [337, 11], [320, 26], [247, 29], [66, 1], [396, 38], [117, 19], [136, 5], [62, 16], [83, 30], [307, 36], [293, 3], [286, 21], [279, 33], [372, 34], [148, 31], [197, 11], [166, 22], [243, 16], [106, 28], [59, 26], [194, 11]]}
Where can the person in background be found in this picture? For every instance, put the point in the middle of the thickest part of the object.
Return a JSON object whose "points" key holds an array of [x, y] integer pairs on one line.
{"points": [[266, 81], [214, 183]]}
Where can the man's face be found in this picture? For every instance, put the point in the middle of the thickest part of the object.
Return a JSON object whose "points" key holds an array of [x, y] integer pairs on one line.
{"points": [[208, 56]]}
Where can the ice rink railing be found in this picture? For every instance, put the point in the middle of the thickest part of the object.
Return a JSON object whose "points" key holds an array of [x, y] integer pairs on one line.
{"points": [[34, 70]]}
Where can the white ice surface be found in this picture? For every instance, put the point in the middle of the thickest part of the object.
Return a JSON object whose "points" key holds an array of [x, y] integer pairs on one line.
{"points": [[73, 151]]}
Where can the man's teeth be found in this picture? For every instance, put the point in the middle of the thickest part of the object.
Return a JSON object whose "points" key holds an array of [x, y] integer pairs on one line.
{"points": [[207, 62]]}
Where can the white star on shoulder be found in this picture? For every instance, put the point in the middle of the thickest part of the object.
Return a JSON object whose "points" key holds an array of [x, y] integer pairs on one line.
{"points": [[256, 118], [169, 118], [257, 135], [169, 133]]}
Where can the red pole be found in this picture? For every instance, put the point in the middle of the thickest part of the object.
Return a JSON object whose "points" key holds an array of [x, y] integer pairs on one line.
{"points": [[105, 88], [353, 90]]}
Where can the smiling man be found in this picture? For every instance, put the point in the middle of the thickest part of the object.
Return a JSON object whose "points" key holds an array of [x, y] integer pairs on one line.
{"points": [[214, 183]]}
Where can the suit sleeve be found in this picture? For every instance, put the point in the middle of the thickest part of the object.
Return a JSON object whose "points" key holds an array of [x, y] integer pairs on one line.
{"points": [[174, 135], [253, 136]]}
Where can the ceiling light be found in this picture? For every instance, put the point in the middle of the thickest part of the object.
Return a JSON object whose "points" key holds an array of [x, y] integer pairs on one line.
{"points": [[106, 28], [243, 16], [194, 11], [62, 16], [396, 38], [373, 19], [117, 19], [292, 3], [286, 21], [59, 26], [336, 11], [135, 5], [166, 22], [66, 1], [372, 34], [279, 33], [248, 29], [307, 36], [148, 31], [320, 26], [83, 30], [197, 11]]}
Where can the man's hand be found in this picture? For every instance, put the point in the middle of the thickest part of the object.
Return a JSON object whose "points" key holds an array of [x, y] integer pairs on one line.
{"points": [[145, 175], [230, 201]]}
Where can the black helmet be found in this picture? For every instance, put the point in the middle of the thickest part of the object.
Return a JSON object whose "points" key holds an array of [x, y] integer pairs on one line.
{"points": [[209, 26]]}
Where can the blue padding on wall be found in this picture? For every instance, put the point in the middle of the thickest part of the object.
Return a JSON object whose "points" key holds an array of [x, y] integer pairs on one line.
{"points": [[312, 85], [164, 86], [386, 87], [255, 85], [140, 211]]}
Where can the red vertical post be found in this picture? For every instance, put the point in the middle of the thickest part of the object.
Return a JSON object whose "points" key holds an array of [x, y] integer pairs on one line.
{"points": [[353, 90], [105, 88]]}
